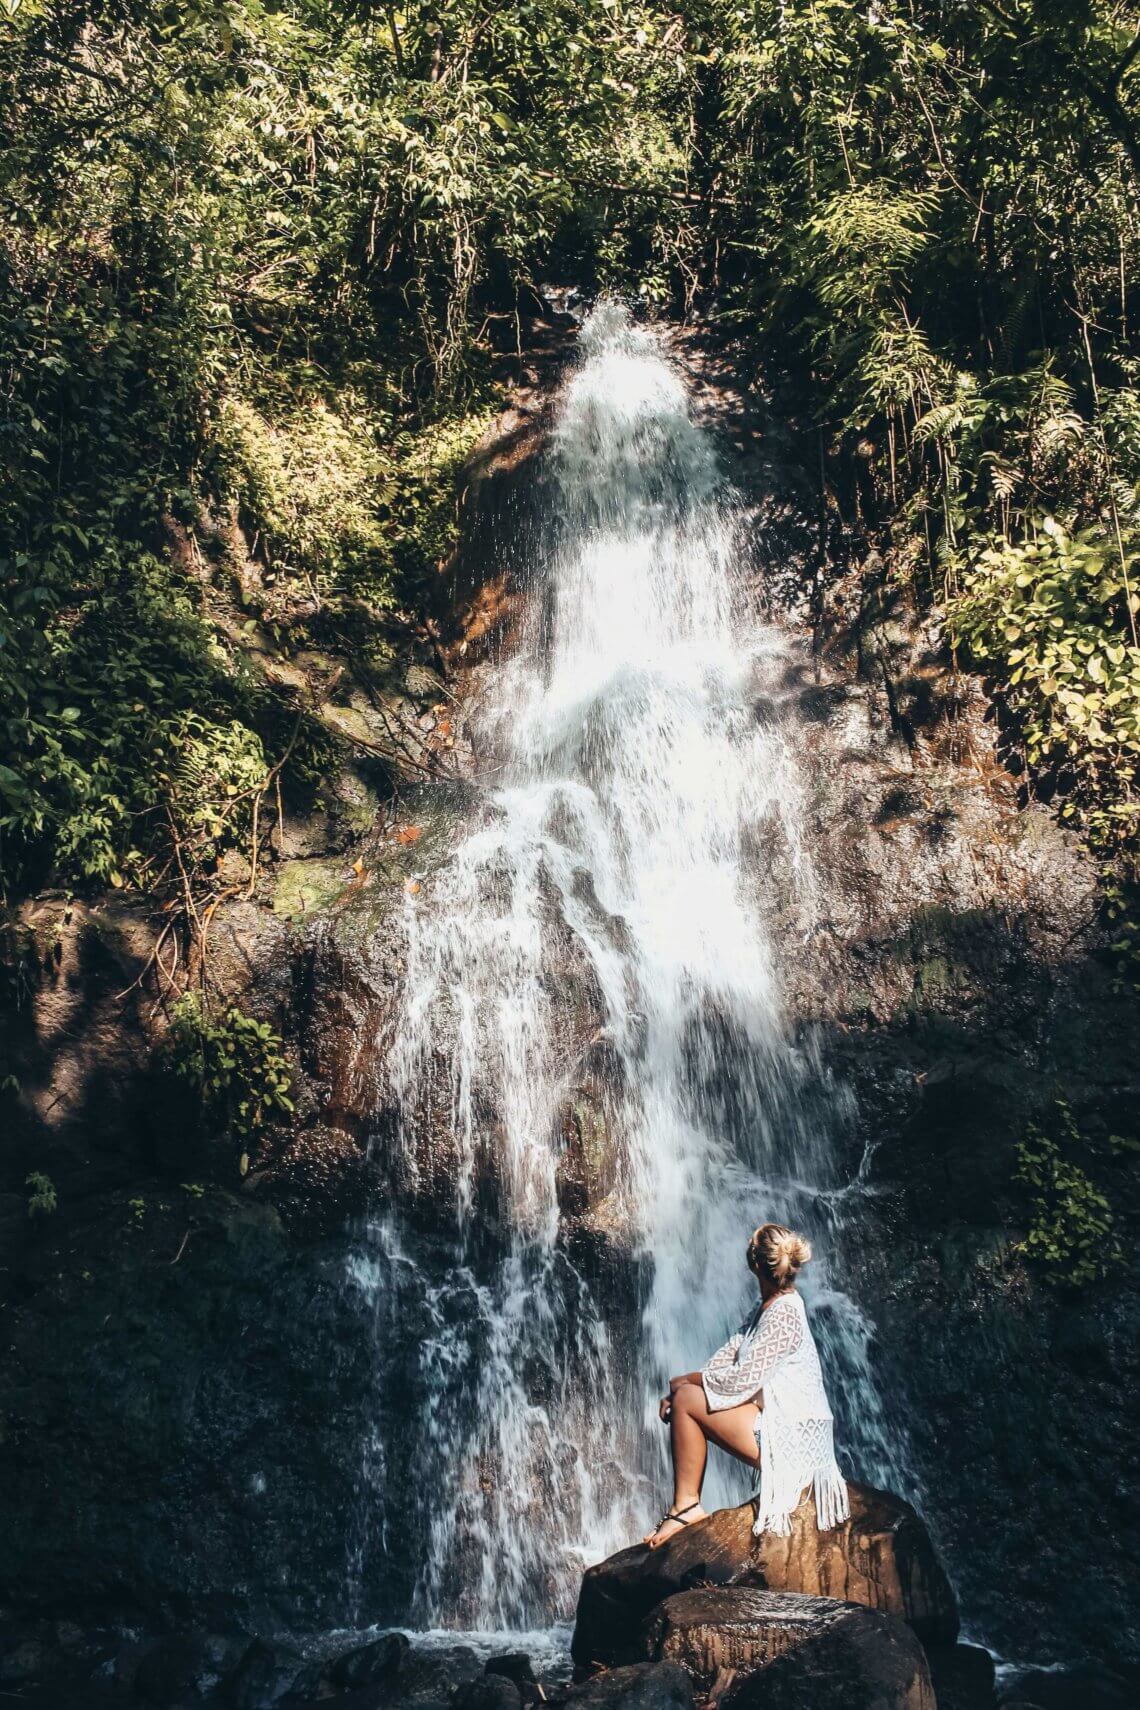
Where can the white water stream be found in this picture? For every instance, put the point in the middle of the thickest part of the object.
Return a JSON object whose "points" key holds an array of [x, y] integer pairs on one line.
{"points": [[643, 834]]}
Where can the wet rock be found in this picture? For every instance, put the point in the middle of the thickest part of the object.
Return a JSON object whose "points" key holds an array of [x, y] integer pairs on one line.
{"points": [[789, 1652], [637, 1686], [181, 1664], [178, 1370], [856, 1659], [492, 1692], [587, 1167], [266, 1675], [126, 1662], [881, 1558], [1081, 1687], [376, 1661], [736, 1628], [24, 1662], [428, 1680], [963, 1677], [515, 1665], [73, 1641]]}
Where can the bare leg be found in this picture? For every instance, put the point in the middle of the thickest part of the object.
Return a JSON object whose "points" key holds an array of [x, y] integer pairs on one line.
{"points": [[692, 1427]]}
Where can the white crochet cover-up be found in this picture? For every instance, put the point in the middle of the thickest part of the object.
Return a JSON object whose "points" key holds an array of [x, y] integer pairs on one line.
{"points": [[773, 1357]]}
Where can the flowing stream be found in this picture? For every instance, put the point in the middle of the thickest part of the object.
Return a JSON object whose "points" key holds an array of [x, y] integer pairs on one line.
{"points": [[595, 968]]}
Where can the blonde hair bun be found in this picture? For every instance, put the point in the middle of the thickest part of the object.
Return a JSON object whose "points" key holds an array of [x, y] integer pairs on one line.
{"points": [[778, 1253]]}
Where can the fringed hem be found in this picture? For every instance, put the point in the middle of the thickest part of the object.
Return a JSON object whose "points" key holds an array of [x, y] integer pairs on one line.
{"points": [[832, 1506], [779, 1524]]}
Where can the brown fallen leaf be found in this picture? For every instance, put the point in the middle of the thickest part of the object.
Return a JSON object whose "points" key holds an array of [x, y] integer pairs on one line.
{"points": [[409, 833], [412, 887]]}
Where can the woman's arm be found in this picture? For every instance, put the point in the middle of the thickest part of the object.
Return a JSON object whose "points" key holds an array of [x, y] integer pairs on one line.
{"points": [[779, 1333], [723, 1360]]}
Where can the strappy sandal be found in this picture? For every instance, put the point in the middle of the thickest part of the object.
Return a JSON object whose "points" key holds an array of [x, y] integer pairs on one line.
{"points": [[680, 1518]]}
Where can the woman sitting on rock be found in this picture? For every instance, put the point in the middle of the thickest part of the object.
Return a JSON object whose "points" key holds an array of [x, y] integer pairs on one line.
{"points": [[761, 1398]]}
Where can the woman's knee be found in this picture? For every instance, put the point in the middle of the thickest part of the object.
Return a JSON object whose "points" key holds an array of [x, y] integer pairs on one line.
{"points": [[690, 1398]]}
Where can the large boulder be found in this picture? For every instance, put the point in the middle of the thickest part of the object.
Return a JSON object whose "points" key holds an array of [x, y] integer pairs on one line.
{"points": [[735, 1628], [882, 1558], [790, 1652]]}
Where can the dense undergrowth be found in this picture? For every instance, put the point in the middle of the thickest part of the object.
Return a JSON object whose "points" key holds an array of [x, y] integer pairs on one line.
{"points": [[254, 257]]}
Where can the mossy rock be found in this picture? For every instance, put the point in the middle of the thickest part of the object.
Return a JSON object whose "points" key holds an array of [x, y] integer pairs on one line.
{"points": [[306, 887]]}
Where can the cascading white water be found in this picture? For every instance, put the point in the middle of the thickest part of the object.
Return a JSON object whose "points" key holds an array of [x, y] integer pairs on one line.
{"points": [[643, 831]]}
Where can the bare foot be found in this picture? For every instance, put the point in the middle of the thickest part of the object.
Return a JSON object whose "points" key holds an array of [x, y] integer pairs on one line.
{"points": [[670, 1526]]}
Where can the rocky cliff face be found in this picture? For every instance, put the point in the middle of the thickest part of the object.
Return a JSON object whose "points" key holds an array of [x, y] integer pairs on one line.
{"points": [[958, 982], [187, 1387]]}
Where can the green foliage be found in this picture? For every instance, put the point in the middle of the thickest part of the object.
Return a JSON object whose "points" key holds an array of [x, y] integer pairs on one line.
{"points": [[308, 487], [43, 1199], [253, 258], [245, 254], [939, 206], [211, 769], [1055, 614], [1071, 1235], [233, 1064], [1055, 611]]}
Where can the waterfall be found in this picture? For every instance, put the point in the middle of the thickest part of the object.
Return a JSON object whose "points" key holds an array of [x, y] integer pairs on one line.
{"points": [[595, 968]]}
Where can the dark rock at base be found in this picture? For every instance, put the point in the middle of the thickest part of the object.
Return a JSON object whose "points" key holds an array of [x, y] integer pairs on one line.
{"points": [[266, 1675], [875, 1664], [377, 1661], [125, 1663], [24, 1662], [963, 1677], [1083, 1687], [515, 1665], [882, 1558], [183, 1665], [164, 1673], [428, 1680], [169, 1670], [738, 1628], [794, 1653], [638, 1686], [73, 1641], [307, 1682], [490, 1692]]}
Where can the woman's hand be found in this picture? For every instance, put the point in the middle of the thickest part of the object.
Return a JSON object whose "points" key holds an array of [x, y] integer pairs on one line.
{"points": [[665, 1407]]}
